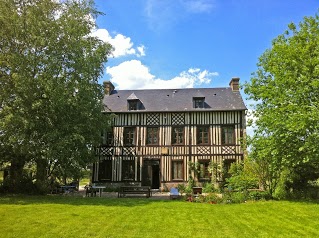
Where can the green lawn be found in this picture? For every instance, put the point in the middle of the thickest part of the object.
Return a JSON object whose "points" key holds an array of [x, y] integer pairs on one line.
{"points": [[58, 216]]}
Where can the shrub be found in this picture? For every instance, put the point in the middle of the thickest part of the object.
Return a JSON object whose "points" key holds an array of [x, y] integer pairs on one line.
{"points": [[213, 198], [259, 195], [190, 185], [25, 186], [208, 188], [234, 197], [238, 197], [240, 179], [181, 188]]}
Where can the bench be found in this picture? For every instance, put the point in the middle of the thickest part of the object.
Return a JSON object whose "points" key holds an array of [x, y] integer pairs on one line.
{"points": [[68, 189], [124, 190]]}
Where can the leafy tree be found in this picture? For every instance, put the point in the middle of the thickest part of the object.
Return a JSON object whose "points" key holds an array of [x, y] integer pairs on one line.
{"points": [[242, 177], [50, 108], [263, 163], [285, 86]]}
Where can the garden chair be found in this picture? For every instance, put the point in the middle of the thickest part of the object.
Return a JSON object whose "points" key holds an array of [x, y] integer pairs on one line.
{"points": [[174, 193], [89, 191]]}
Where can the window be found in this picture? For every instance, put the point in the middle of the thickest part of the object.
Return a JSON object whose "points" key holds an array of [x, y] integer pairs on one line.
{"points": [[227, 164], [133, 105], [105, 169], [129, 136], [228, 135], [202, 135], [152, 136], [204, 173], [198, 102], [178, 171], [177, 135], [128, 170], [107, 137]]}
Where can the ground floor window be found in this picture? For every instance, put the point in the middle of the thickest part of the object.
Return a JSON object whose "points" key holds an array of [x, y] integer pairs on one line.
{"points": [[204, 172], [105, 169], [128, 169], [226, 164], [178, 170]]}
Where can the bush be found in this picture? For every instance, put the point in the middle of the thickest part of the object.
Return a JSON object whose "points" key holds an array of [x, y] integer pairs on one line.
{"points": [[181, 188], [25, 186], [240, 179], [258, 195], [208, 188], [239, 197], [234, 197]]}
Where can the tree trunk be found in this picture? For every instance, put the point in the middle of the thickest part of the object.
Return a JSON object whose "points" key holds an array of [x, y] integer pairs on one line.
{"points": [[41, 176], [16, 174]]}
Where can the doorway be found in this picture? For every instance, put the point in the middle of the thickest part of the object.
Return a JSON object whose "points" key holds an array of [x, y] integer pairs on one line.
{"points": [[151, 173]]}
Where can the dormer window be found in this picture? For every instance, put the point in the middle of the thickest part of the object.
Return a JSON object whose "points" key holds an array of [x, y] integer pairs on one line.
{"points": [[133, 103], [199, 102]]}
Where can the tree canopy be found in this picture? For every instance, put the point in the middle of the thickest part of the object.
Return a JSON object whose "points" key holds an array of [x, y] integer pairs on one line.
{"points": [[285, 87], [50, 99]]}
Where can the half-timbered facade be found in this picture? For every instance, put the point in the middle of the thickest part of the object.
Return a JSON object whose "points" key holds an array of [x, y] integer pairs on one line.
{"points": [[156, 134]]}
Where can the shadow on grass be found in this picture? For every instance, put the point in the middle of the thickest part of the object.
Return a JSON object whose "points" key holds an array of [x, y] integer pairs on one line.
{"points": [[306, 201], [78, 201]]}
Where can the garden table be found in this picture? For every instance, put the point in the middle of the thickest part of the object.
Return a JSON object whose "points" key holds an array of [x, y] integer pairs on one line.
{"points": [[100, 188]]}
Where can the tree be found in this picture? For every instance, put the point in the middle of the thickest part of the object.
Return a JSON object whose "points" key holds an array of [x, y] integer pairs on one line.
{"points": [[242, 177], [50, 99], [264, 163], [285, 86]]}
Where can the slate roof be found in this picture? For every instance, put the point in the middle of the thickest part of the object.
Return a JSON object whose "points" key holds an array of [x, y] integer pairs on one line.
{"points": [[174, 100]]}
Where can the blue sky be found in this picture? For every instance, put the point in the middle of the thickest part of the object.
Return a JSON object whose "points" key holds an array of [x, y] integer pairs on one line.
{"points": [[191, 43]]}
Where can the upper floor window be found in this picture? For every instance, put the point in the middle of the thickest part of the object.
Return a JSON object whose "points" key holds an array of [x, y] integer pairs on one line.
{"points": [[202, 135], [178, 135], [228, 135], [133, 103], [152, 136], [199, 102], [129, 136], [107, 137]]}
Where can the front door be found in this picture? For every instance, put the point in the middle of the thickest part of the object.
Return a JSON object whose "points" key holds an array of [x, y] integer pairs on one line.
{"points": [[151, 173]]}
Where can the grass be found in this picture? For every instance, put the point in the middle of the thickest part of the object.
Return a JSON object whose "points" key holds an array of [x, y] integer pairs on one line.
{"points": [[58, 216]]}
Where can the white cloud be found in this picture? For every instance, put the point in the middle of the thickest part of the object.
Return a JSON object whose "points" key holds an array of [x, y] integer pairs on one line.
{"points": [[130, 75], [141, 50], [134, 75], [122, 44]]}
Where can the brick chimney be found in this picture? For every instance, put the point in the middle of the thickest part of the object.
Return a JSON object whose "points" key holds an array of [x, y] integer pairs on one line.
{"points": [[234, 84], [108, 87]]}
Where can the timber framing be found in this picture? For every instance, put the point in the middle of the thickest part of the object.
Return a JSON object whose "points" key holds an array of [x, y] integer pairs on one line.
{"points": [[154, 144]]}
